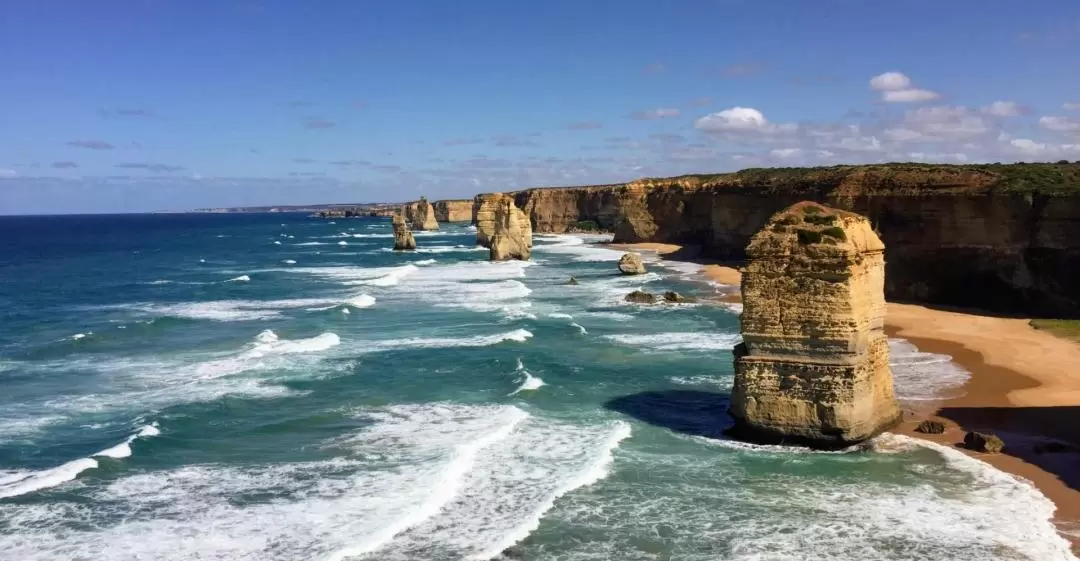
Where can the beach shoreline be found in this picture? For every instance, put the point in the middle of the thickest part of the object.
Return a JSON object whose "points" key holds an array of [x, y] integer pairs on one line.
{"points": [[1017, 388]]}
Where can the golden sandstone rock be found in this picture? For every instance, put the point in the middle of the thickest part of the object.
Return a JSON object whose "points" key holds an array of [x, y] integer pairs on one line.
{"points": [[403, 237], [454, 210], [503, 227], [421, 215], [813, 367]]}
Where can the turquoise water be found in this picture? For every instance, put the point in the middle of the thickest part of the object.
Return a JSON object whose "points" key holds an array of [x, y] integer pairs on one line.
{"points": [[273, 387]]}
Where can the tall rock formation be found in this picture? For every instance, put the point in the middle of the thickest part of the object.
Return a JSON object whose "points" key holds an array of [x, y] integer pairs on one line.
{"points": [[813, 367], [403, 237], [420, 215], [454, 210], [503, 227]]}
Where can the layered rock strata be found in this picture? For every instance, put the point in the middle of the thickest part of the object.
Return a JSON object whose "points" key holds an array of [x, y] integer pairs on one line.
{"points": [[1004, 238], [813, 367], [454, 210], [504, 228], [421, 215], [403, 237]]}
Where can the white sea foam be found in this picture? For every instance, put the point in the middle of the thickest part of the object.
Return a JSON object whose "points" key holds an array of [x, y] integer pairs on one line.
{"points": [[689, 341], [236, 310], [560, 315], [580, 327], [920, 376], [308, 244], [80, 336], [343, 243], [241, 278], [277, 242], [289, 261], [16, 483], [517, 335], [575, 245], [527, 380], [682, 267], [424, 262], [361, 301]]}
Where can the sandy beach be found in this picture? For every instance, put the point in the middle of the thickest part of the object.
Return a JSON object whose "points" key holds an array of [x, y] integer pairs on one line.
{"points": [[1024, 386]]}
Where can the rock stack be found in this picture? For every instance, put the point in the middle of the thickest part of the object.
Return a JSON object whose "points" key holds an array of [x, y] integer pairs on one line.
{"points": [[403, 237], [421, 215], [502, 227], [813, 367], [630, 264]]}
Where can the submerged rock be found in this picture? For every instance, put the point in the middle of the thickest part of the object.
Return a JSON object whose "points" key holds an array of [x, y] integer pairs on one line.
{"points": [[630, 264], [403, 237], [573, 281], [813, 367], [983, 442], [641, 297], [930, 426]]}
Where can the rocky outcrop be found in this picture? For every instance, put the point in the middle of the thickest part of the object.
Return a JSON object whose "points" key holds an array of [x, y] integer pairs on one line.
{"points": [[1004, 238], [420, 215], [931, 426], [454, 210], [505, 229], [983, 442], [640, 297], [630, 264], [813, 367], [403, 237]]}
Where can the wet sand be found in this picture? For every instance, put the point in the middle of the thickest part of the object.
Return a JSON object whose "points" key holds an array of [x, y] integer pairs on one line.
{"points": [[1024, 386]]}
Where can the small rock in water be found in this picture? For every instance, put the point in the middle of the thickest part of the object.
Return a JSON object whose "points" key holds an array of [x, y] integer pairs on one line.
{"points": [[930, 427], [676, 298], [630, 264], [640, 297], [572, 281], [983, 442]]}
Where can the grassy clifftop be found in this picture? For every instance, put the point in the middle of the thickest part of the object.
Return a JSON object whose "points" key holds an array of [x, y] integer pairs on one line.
{"points": [[1048, 178]]}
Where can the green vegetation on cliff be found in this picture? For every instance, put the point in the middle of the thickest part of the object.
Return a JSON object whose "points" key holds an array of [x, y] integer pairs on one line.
{"points": [[1060, 178]]}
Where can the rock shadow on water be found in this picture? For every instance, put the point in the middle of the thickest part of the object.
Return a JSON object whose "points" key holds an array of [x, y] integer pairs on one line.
{"points": [[692, 412]]}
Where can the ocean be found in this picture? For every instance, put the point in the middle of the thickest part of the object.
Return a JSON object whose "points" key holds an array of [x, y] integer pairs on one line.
{"points": [[273, 387]]}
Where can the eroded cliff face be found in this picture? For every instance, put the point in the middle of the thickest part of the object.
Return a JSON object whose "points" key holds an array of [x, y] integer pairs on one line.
{"points": [[420, 215], [813, 367], [454, 210], [511, 232], [954, 236]]}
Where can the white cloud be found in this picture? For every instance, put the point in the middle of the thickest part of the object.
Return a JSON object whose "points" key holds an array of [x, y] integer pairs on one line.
{"points": [[937, 124], [786, 153], [890, 82], [7, 172], [1072, 106], [1004, 109], [914, 95], [742, 120], [896, 87], [1060, 124]]}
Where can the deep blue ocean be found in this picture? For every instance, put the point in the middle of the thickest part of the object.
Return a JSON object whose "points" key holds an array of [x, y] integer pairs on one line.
{"points": [[280, 388]]}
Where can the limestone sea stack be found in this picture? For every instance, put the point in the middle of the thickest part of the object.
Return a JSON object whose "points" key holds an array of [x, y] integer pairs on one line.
{"points": [[421, 215], [630, 264], [813, 367], [403, 237], [504, 227]]}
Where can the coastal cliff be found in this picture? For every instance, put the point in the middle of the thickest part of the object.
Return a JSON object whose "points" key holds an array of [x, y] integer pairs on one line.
{"points": [[813, 367], [454, 210], [1004, 238]]}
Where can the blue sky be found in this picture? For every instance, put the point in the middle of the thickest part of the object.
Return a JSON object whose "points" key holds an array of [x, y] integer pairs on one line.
{"points": [[141, 105]]}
